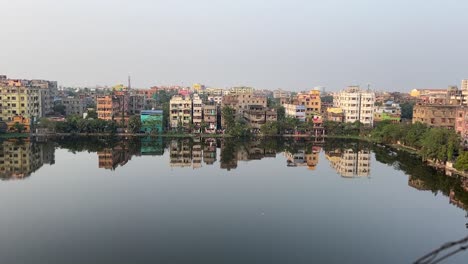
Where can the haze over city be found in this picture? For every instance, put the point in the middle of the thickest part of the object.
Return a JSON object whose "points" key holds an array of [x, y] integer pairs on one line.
{"points": [[296, 45]]}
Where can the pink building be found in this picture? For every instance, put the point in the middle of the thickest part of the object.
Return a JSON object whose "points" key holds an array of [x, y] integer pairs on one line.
{"points": [[461, 123]]}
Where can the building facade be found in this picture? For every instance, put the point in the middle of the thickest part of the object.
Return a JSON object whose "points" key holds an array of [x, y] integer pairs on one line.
{"points": [[435, 115], [312, 102], [180, 115], [295, 111], [357, 105]]}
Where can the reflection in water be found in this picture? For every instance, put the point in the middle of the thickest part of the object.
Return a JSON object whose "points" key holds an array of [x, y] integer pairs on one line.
{"points": [[350, 163], [350, 159], [20, 158]]}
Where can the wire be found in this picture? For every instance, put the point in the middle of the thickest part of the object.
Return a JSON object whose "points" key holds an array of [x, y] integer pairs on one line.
{"points": [[430, 258]]}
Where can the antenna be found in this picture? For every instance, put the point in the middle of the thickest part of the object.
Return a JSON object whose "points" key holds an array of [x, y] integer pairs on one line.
{"points": [[129, 83]]}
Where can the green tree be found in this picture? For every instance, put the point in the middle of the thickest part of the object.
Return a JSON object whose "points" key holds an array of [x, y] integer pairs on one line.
{"points": [[462, 161], [92, 115], [19, 128], [228, 117], [134, 124], [270, 128], [407, 110], [59, 108]]}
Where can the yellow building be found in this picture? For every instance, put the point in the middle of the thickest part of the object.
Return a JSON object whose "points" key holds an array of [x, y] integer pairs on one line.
{"points": [[17, 99], [311, 101]]}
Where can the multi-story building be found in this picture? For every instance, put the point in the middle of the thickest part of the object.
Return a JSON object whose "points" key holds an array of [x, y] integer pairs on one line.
{"points": [[106, 107], [357, 105], [241, 102], [256, 116], [73, 106], [435, 115], [215, 99], [47, 90], [295, 111], [18, 97], [241, 90], [311, 100], [197, 112], [137, 103], [180, 115], [210, 117], [461, 123], [278, 93], [389, 111]]}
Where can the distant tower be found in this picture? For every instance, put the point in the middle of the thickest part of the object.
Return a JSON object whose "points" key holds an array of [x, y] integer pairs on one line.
{"points": [[129, 83]]}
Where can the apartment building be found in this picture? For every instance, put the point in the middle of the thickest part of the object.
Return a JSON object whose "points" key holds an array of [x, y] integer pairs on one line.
{"points": [[461, 123], [241, 102], [197, 112], [180, 112], [357, 105], [312, 102], [210, 117], [73, 106], [435, 115], [279, 93], [18, 97], [258, 115], [295, 111]]}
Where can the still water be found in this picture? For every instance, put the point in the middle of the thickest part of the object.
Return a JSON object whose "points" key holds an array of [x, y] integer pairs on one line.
{"points": [[222, 201]]}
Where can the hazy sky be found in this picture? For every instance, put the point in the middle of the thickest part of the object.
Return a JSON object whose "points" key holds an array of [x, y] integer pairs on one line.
{"points": [[289, 44]]}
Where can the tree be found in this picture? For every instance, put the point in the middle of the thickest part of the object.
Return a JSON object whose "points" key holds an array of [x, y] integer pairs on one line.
{"points": [[462, 161], [19, 128], [439, 144], [407, 110], [327, 99], [270, 128], [59, 108], [228, 117], [92, 115], [134, 124]]}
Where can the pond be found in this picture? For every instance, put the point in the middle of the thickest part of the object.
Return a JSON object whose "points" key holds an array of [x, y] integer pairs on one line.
{"points": [[162, 200]]}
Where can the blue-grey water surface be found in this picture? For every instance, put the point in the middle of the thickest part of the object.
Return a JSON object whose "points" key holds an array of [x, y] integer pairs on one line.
{"points": [[162, 201]]}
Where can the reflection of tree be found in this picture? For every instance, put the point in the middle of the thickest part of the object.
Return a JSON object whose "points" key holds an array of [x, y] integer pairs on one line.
{"points": [[424, 177]]}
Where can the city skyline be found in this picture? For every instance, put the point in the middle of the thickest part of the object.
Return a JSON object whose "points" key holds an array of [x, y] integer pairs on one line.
{"points": [[392, 45]]}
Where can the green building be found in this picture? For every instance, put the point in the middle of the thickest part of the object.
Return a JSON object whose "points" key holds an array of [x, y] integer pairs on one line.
{"points": [[151, 120]]}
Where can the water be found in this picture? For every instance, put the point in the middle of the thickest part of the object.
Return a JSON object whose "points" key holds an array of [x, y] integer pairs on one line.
{"points": [[222, 201]]}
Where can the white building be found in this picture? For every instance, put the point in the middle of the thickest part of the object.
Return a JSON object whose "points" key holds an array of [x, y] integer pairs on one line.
{"points": [[357, 104], [197, 110], [295, 111], [180, 111]]}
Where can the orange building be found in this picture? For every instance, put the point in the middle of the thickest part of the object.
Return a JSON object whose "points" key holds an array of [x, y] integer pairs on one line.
{"points": [[22, 121]]}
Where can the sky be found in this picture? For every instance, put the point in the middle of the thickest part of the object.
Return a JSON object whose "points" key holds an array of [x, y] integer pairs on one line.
{"points": [[393, 45]]}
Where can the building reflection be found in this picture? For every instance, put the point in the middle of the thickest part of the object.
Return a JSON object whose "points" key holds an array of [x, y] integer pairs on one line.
{"points": [[350, 163], [20, 158]]}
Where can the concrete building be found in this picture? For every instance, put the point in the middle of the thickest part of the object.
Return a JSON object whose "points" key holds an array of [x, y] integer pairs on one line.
{"points": [[389, 111], [461, 123], [137, 103], [357, 105], [241, 90], [335, 114], [73, 106], [197, 112], [210, 117], [180, 115], [295, 111], [106, 107], [258, 115], [311, 100], [151, 120], [435, 115], [241, 102], [215, 99], [278, 93], [18, 97]]}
